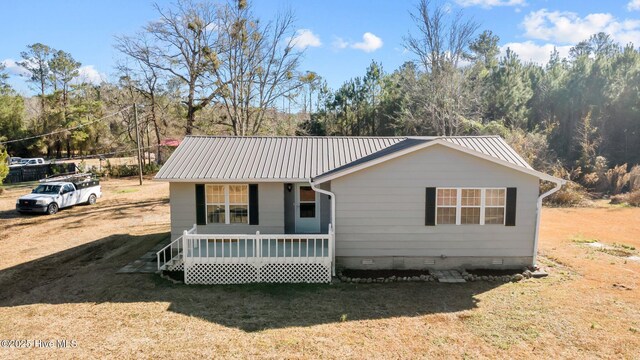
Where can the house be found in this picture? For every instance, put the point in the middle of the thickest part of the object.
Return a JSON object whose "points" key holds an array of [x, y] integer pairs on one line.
{"points": [[291, 209]]}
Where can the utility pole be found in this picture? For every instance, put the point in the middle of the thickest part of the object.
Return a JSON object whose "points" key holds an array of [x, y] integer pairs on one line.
{"points": [[135, 119]]}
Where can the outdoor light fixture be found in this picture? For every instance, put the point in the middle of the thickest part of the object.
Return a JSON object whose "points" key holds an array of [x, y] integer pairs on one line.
{"points": [[289, 187]]}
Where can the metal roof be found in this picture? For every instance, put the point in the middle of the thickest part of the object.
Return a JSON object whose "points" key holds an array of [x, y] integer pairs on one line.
{"points": [[229, 158]]}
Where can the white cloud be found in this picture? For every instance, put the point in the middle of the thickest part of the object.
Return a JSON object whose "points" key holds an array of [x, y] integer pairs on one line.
{"points": [[13, 68], [529, 51], [569, 28], [488, 4], [305, 38], [369, 43], [340, 43], [633, 5], [89, 74]]}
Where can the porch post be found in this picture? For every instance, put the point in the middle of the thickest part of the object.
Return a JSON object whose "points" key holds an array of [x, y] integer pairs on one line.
{"points": [[258, 255]]}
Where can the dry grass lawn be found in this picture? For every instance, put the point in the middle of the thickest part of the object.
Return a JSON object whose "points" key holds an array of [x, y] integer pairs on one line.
{"points": [[58, 281]]}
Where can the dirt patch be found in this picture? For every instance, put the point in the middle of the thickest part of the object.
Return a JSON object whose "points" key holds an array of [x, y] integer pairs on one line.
{"points": [[374, 274], [494, 272]]}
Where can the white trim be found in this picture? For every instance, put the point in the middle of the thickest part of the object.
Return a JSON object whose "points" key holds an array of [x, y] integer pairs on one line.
{"points": [[332, 223], [482, 206], [324, 178], [538, 213]]}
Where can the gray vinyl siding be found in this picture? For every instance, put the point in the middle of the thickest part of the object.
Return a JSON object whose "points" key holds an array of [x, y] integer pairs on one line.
{"points": [[183, 211], [380, 210]]}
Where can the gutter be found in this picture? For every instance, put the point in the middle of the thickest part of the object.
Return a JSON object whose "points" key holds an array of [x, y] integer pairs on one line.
{"points": [[332, 224], [559, 183]]}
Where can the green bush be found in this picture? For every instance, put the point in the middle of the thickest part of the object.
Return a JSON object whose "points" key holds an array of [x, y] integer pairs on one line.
{"points": [[150, 169], [4, 165], [129, 170]]}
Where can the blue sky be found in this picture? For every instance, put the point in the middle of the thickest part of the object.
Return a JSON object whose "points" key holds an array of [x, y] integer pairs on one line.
{"points": [[341, 37]]}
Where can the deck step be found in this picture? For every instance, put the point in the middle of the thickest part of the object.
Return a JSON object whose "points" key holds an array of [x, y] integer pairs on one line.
{"points": [[448, 276]]}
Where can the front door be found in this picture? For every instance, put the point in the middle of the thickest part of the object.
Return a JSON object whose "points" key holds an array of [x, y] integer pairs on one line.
{"points": [[307, 210]]}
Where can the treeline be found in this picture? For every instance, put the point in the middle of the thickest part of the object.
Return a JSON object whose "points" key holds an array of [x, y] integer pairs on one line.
{"points": [[216, 68], [577, 117]]}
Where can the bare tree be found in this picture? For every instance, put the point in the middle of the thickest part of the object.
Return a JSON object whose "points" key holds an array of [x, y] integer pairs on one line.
{"points": [[223, 55], [443, 36], [443, 40], [254, 65], [178, 44], [146, 79]]}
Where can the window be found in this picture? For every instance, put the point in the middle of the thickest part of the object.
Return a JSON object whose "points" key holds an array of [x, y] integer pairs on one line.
{"points": [[494, 205], [227, 204], [307, 202], [470, 206], [238, 204], [446, 210]]}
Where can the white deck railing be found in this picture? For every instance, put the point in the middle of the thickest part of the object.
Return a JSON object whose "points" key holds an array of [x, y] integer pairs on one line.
{"points": [[257, 248], [173, 251]]}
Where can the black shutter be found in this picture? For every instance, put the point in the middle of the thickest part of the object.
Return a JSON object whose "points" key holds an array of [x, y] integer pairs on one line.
{"points": [[430, 213], [510, 216], [201, 205], [254, 218]]}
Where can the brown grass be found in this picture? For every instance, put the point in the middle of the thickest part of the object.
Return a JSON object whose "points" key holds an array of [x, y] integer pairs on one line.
{"points": [[58, 281]]}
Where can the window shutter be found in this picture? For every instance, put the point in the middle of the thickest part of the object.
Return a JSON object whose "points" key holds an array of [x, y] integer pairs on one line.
{"points": [[430, 213], [510, 216], [201, 205], [254, 217]]}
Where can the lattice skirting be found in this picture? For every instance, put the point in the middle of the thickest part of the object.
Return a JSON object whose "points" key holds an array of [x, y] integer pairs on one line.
{"points": [[179, 267], [250, 273]]}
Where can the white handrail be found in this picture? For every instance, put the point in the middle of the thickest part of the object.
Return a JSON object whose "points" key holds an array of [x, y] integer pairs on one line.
{"points": [[177, 244]]}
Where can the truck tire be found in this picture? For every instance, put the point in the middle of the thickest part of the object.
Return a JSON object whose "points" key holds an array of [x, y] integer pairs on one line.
{"points": [[52, 208], [92, 199]]}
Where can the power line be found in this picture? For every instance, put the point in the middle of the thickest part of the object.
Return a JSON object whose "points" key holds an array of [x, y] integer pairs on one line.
{"points": [[66, 129]]}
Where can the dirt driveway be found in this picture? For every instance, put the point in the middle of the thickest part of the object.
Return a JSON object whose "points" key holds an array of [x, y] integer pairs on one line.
{"points": [[58, 282]]}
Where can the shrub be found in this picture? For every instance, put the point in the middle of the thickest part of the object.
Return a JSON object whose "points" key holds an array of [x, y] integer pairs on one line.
{"points": [[129, 170], [4, 165], [633, 198], [572, 193], [634, 178], [150, 169], [532, 147], [615, 179]]}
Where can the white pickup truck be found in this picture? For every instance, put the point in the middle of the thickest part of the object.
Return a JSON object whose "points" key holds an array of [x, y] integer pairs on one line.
{"points": [[60, 192]]}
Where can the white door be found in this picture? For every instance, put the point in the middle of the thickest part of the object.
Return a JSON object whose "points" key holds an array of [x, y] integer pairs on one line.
{"points": [[307, 210]]}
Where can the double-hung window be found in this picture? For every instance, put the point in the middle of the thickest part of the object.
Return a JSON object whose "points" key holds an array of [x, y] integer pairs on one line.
{"points": [[465, 206], [227, 204]]}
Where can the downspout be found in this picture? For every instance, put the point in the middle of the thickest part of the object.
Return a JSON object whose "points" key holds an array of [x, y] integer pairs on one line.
{"points": [[332, 224], [538, 213]]}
